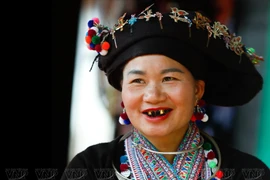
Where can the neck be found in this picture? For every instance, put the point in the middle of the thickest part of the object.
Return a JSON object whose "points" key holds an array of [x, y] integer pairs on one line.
{"points": [[169, 143]]}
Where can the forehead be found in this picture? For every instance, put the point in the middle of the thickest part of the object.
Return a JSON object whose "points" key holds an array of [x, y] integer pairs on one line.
{"points": [[152, 62]]}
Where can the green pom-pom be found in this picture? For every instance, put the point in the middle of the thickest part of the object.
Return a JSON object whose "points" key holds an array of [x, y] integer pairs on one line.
{"points": [[212, 164], [207, 146], [252, 50], [95, 39]]}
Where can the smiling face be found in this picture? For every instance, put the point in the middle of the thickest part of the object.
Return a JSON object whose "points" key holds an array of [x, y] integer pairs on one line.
{"points": [[159, 95]]}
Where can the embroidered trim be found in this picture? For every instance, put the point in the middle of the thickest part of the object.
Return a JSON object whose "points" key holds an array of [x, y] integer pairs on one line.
{"points": [[155, 166], [206, 170]]}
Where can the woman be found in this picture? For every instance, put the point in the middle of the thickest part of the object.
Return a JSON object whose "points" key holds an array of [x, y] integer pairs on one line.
{"points": [[166, 67]]}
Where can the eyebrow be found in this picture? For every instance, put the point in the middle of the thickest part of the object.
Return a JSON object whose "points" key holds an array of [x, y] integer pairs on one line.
{"points": [[136, 72], [164, 71], [171, 70]]}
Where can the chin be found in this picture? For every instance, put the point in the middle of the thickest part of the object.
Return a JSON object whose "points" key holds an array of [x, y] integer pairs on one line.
{"points": [[154, 132]]}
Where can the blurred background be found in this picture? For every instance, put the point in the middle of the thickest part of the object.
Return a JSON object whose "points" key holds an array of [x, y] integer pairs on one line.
{"points": [[85, 109]]}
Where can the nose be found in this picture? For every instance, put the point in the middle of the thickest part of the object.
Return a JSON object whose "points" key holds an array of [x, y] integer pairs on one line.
{"points": [[154, 94]]}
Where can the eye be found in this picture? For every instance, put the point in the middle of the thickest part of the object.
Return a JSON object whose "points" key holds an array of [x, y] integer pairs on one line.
{"points": [[140, 81], [168, 79]]}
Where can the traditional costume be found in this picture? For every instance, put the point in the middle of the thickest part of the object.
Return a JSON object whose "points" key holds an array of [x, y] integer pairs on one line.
{"points": [[212, 53]]}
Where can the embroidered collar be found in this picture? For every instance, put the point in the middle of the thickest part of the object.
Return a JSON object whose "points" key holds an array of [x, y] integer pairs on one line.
{"points": [[140, 164]]}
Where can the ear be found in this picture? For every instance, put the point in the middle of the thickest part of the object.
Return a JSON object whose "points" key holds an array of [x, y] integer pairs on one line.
{"points": [[200, 86]]}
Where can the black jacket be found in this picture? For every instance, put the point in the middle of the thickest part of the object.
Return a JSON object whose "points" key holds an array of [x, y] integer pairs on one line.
{"points": [[95, 163]]}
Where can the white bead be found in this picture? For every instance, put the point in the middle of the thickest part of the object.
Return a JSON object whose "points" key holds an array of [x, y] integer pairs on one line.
{"points": [[103, 52], [126, 173], [95, 29], [212, 160], [205, 118], [121, 121], [214, 169]]}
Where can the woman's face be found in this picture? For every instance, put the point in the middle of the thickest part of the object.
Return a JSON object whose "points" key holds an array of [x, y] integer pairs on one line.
{"points": [[159, 95]]}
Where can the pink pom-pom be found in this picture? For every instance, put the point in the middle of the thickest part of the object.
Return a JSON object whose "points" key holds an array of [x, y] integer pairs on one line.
{"points": [[88, 46], [96, 20]]}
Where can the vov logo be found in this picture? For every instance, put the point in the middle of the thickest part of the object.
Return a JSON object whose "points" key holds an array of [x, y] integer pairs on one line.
{"points": [[252, 174], [16, 174], [75, 173], [46, 174]]}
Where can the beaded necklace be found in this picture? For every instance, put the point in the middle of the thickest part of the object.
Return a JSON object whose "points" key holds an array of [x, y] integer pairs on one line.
{"points": [[139, 163]]}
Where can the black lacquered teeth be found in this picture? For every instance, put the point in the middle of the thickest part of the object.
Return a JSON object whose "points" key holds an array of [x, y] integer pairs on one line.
{"points": [[157, 113]]}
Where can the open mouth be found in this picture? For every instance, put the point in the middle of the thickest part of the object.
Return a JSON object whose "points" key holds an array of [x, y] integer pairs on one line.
{"points": [[160, 112]]}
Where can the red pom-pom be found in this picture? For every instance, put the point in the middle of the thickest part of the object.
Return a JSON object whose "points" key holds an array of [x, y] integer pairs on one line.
{"points": [[201, 102], [105, 45], [88, 39], [91, 32], [211, 155], [193, 118], [98, 48], [198, 116], [124, 116], [123, 167], [219, 174]]}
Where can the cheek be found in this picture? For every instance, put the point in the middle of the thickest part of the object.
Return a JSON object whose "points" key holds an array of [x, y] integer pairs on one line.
{"points": [[132, 105], [131, 99], [182, 96]]}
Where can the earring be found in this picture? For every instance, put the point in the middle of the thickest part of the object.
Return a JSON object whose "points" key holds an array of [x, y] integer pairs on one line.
{"points": [[123, 118], [199, 112]]}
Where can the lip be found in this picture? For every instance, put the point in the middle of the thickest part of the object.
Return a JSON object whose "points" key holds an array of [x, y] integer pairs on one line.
{"points": [[156, 119]]}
